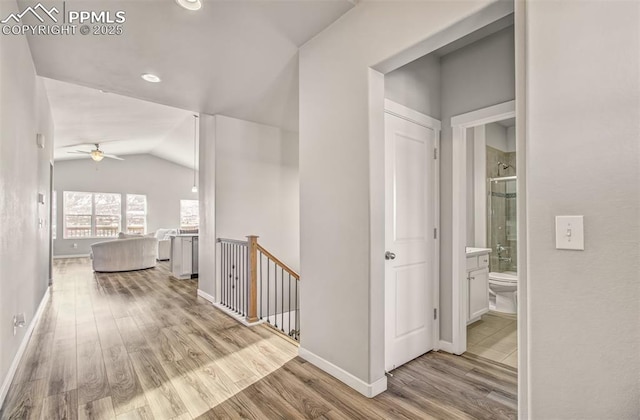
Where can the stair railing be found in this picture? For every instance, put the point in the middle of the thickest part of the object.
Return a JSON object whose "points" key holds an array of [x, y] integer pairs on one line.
{"points": [[234, 277], [259, 286]]}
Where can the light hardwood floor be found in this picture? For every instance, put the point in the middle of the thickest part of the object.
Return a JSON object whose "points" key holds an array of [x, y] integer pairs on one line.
{"points": [[140, 345]]}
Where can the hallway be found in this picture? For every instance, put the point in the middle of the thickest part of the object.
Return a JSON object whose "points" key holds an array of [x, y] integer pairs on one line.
{"points": [[142, 345]]}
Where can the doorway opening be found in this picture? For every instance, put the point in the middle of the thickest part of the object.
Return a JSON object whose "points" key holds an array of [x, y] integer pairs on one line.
{"points": [[489, 292], [462, 88]]}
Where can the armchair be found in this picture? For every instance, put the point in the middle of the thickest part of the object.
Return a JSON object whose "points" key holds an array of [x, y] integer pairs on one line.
{"points": [[164, 243]]}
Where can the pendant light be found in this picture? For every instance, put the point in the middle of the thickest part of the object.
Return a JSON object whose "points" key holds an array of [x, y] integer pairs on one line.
{"points": [[195, 148]]}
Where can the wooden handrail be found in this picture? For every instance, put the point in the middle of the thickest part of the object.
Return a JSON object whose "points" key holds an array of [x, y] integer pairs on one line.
{"points": [[280, 263], [252, 312]]}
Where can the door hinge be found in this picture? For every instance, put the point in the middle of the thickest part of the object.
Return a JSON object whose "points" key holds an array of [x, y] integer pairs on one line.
{"points": [[435, 313], [435, 153], [435, 233]]}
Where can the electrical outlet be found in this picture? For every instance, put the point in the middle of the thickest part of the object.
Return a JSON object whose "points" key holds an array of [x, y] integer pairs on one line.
{"points": [[75, 246]]}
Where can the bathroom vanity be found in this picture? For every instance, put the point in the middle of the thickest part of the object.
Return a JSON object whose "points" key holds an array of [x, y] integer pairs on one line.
{"points": [[477, 283]]}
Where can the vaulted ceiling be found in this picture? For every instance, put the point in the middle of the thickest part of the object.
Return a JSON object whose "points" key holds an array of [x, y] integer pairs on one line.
{"points": [[237, 58], [122, 125]]}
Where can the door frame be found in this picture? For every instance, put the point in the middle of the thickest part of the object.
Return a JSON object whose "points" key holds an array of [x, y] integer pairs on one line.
{"points": [[492, 13], [460, 124], [408, 114]]}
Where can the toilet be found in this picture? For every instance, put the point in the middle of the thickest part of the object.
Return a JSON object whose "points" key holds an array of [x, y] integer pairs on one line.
{"points": [[503, 292]]}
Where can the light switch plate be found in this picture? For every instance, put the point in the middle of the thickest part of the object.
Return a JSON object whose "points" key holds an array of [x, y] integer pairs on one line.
{"points": [[40, 139], [570, 232]]}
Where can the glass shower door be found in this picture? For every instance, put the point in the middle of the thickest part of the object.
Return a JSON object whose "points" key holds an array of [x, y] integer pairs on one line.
{"points": [[502, 224]]}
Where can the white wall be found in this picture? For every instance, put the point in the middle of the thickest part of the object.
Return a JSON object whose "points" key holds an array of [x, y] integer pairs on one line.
{"points": [[511, 139], [340, 278], [290, 206], [163, 182], [474, 77], [416, 85], [496, 137], [24, 172], [257, 187], [471, 176], [583, 154], [207, 194]]}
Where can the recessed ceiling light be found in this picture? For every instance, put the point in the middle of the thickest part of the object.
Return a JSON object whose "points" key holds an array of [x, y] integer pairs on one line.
{"points": [[151, 78], [190, 4]]}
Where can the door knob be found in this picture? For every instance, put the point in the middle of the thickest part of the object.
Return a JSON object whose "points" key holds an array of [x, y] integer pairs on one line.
{"points": [[389, 255]]}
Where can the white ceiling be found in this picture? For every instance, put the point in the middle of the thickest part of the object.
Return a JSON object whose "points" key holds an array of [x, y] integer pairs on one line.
{"points": [[238, 58], [121, 125]]}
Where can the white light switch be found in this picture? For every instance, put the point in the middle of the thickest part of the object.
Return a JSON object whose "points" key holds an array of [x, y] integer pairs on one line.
{"points": [[570, 232]]}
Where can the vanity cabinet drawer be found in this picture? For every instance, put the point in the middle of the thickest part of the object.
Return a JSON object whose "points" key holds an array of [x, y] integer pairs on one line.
{"points": [[483, 261], [472, 262]]}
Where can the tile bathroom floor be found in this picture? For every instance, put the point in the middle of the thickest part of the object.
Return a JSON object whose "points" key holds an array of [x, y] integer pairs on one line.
{"points": [[494, 337]]}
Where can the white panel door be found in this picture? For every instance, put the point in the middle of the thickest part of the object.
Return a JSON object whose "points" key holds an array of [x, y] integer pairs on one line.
{"points": [[409, 235]]}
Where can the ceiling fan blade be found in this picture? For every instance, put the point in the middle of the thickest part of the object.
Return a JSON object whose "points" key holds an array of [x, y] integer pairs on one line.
{"points": [[92, 145], [112, 157], [80, 152]]}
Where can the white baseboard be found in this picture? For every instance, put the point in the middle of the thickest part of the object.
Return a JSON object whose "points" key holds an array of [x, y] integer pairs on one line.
{"points": [[58, 257], [23, 345], [206, 296], [366, 389], [241, 319], [446, 346], [227, 311]]}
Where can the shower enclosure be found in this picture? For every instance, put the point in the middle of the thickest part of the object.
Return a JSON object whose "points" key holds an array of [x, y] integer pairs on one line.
{"points": [[502, 232]]}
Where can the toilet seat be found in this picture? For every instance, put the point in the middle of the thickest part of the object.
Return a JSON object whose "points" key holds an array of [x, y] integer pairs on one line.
{"points": [[503, 282], [506, 278]]}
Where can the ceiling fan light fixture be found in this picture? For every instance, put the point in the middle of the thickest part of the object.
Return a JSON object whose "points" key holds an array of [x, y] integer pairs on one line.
{"points": [[151, 78], [190, 4], [97, 155]]}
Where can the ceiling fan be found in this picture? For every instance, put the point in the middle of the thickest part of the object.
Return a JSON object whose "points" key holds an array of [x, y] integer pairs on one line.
{"points": [[97, 154]]}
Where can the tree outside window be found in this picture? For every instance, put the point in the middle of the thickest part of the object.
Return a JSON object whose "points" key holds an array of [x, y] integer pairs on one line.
{"points": [[88, 214], [136, 213], [189, 215]]}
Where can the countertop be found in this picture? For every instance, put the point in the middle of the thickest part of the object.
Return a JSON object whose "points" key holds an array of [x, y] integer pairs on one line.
{"points": [[472, 252]]}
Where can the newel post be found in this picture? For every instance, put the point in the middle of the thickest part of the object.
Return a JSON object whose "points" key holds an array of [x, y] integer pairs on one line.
{"points": [[252, 313]]}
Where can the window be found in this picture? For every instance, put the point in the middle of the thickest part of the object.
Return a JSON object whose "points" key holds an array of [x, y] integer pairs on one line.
{"points": [[88, 215], [136, 213], [78, 208], [107, 214], [189, 214]]}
